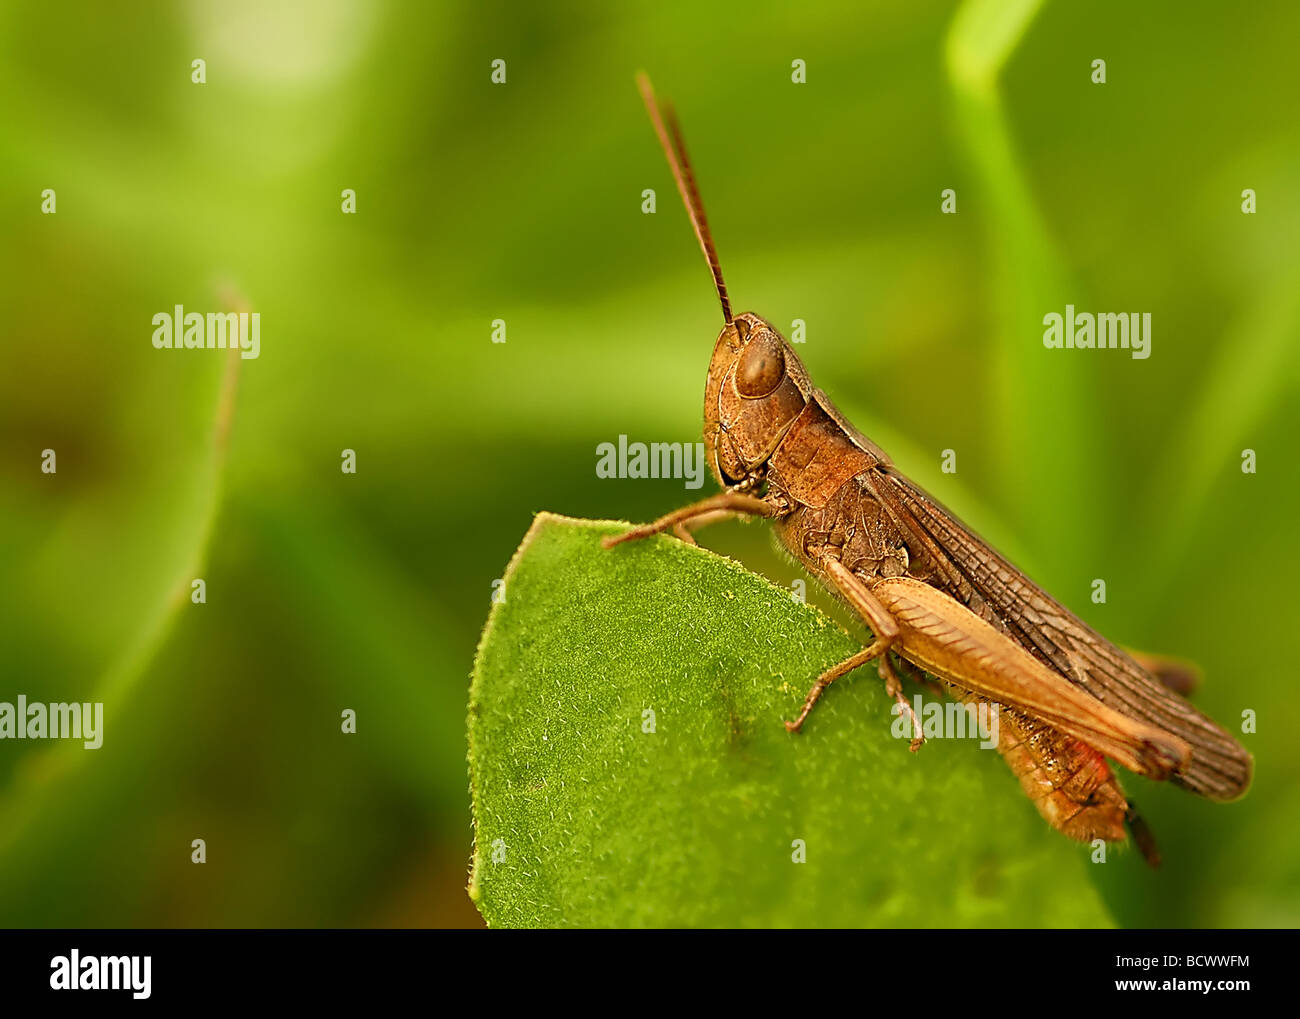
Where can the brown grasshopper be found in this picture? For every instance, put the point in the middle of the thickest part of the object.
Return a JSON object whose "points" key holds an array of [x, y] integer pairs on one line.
{"points": [[931, 591]]}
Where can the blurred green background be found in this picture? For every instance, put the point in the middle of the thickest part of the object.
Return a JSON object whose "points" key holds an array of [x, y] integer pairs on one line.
{"points": [[522, 202]]}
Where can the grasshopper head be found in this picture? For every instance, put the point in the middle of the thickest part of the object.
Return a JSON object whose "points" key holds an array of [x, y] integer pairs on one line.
{"points": [[757, 387]]}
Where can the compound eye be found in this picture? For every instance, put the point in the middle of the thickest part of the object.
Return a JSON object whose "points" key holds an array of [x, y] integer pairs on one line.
{"points": [[762, 366]]}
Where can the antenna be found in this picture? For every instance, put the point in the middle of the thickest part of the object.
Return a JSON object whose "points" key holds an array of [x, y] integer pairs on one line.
{"points": [[674, 147]]}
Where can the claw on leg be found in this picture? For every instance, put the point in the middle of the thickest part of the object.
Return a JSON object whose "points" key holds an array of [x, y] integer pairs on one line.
{"points": [[882, 624], [894, 687], [828, 677]]}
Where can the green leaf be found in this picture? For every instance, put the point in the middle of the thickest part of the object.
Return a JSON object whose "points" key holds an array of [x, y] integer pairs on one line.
{"points": [[582, 818]]}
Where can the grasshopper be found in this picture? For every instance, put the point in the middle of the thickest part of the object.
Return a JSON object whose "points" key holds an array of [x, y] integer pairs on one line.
{"points": [[934, 595]]}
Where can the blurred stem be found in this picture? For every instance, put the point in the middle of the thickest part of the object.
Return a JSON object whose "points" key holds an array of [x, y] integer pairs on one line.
{"points": [[1038, 404], [32, 781], [981, 39], [1254, 368]]}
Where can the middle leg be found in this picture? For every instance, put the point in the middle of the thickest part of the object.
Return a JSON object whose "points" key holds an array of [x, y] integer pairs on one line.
{"points": [[885, 631]]}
